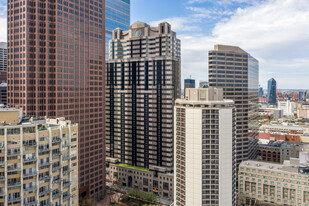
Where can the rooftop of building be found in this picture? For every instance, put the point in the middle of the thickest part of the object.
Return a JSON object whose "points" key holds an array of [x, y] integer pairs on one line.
{"points": [[204, 96], [282, 144], [228, 48], [14, 117], [284, 127], [294, 165]]}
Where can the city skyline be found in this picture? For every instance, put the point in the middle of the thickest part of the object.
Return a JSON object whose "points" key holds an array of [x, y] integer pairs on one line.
{"points": [[223, 22], [276, 40]]}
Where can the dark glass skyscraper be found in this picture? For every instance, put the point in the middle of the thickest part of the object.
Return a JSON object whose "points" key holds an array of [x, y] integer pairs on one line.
{"points": [[261, 92], [117, 16], [272, 92], [56, 68], [189, 83]]}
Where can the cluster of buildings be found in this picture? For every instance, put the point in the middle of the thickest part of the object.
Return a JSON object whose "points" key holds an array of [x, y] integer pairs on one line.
{"points": [[88, 100]]}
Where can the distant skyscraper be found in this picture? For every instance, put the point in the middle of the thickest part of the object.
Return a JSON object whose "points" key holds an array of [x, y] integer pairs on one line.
{"points": [[237, 72], [56, 68], [117, 16], [302, 95], [272, 92], [3, 61], [142, 83], [189, 83], [205, 166], [261, 92], [203, 84]]}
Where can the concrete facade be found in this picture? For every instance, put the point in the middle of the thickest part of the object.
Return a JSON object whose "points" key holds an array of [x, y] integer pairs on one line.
{"points": [[38, 160], [282, 184], [205, 166]]}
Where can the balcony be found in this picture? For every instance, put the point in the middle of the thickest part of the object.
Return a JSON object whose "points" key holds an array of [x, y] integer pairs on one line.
{"points": [[44, 149], [65, 198], [46, 177], [56, 140], [66, 184], [2, 178], [56, 154], [65, 145], [44, 164], [13, 169], [14, 199], [56, 168], [56, 195], [30, 189], [56, 181], [65, 172], [13, 154], [2, 193], [30, 159], [44, 192], [30, 203], [13, 184], [29, 144], [65, 158], [30, 174]]}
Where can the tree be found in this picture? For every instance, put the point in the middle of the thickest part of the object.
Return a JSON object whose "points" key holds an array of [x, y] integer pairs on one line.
{"points": [[87, 201]]}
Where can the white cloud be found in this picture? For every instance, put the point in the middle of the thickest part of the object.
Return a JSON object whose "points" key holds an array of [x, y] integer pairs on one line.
{"points": [[178, 23], [275, 32]]}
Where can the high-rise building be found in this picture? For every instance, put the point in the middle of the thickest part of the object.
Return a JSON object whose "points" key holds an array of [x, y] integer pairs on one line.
{"points": [[38, 160], [3, 62], [272, 92], [3, 93], [287, 107], [56, 61], [203, 84], [188, 83], [302, 96], [273, 183], [142, 83], [117, 16], [237, 72], [261, 92], [204, 146]]}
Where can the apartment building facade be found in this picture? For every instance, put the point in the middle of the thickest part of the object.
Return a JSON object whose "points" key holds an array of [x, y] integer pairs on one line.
{"points": [[204, 146], [142, 83], [38, 160]]}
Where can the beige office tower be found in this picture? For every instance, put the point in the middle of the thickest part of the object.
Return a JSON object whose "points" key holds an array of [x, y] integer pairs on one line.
{"points": [[38, 160], [234, 70], [142, 84], [204, 146]]}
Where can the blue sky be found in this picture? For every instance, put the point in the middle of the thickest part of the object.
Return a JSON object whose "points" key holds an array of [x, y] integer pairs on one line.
{"points": [[276, 32]]}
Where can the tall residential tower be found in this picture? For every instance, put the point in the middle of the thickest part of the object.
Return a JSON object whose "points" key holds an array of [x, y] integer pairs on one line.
{"points": [[56, 60], [142, 83], [205, 156], [237, 72]]}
